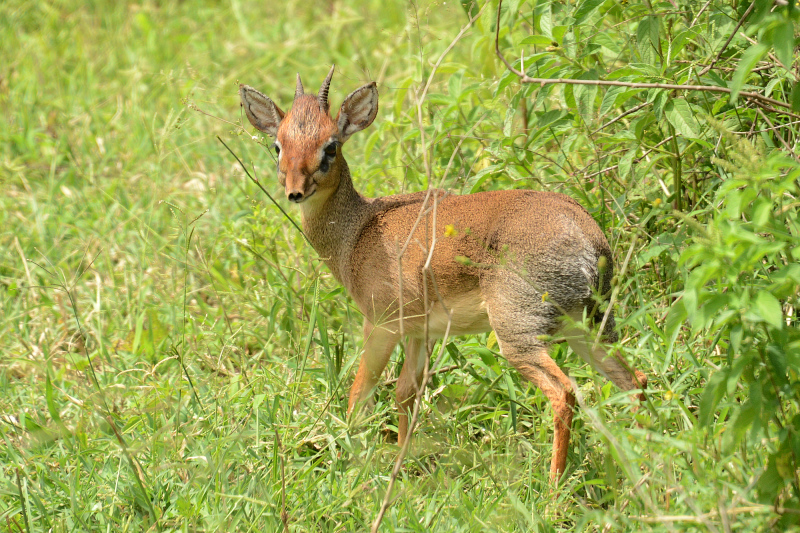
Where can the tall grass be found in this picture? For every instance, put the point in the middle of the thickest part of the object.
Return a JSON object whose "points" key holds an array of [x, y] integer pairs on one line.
{"points": [[174, 356]]}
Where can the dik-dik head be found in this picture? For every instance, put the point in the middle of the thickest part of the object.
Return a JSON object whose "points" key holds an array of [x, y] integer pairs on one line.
{"points": [[307, 140]]}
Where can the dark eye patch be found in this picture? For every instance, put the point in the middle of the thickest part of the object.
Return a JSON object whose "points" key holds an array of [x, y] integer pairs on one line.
{"points": [[329, 154], [325, 164], [277, 149]]}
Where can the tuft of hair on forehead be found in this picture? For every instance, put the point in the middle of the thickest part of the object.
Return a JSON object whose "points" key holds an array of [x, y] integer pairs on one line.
{"points": [[306, 120]]}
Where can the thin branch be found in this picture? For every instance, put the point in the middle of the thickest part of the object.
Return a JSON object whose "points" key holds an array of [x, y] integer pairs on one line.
{"points": [[772, 57], [697, 17], [771, 109], [422, 212], [411, 425], [623, 115], [717, 67], [612, 167], [290, 219], [284, 514], [421, 99], [786, 125], [452, 44], [524, 78], [730, 38], [778, 135]]}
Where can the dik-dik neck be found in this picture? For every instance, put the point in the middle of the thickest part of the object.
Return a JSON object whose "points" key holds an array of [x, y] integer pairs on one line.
{"points": [[333, 225]]}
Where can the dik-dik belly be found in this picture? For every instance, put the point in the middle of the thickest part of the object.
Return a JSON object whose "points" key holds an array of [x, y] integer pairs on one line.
{"points": [[464, 313]]}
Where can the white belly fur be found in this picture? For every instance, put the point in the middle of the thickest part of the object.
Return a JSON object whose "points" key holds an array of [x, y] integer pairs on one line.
{"points": [[469, 316]]}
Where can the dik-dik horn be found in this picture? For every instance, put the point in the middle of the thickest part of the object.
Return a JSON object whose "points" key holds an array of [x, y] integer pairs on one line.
{"points": [[535, 261]]}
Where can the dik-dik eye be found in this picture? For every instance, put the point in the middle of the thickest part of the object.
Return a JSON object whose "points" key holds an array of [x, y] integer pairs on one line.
{"points": [[277, 149], [330, 149]]}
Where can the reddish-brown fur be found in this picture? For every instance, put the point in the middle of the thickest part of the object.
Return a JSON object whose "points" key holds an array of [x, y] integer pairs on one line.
{"points": [[526, 264]]}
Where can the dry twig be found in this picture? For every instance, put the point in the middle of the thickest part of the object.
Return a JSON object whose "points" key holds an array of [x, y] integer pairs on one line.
{"points": [[426, 271]]}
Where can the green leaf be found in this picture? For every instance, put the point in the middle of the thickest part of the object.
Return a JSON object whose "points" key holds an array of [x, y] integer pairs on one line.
{"points": [[546, 21], [586, 8], [719, 82], [616, 96], [486, 356], [680, 40], [739, 425], [784, 42], [746, 64], [777, 359], [737, 332], [676, 317], [371, 142], [680, 115], [762, 212], [512, 8], [537, 39], [560, 34], [506, 79], [548, 117], [455, 391], [712, 394], [606, 41], [769, 309], [470, 8], [585, 96], [795, 98], [482, 175], [710, 310], [647, 37], [569, 96], [770, 482], [454, 85], [625, 163], [512, 396], [659, 98], [51, 404]]}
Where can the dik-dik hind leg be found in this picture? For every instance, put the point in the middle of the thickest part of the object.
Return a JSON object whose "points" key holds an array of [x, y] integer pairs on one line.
{"points": [[609, 363], [408, 384], [378, 346], [534, 363], [520, 316]]}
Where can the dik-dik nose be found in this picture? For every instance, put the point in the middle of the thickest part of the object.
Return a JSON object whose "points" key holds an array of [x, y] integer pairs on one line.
{"points": [[295, 196]]}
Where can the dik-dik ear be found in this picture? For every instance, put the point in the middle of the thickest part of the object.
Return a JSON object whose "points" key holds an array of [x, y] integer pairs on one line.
{"points": [[358, 111], [260, 110]]}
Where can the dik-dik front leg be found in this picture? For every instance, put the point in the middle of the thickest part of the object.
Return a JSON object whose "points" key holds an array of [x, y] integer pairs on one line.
{"points": [[408, 384], [378, 346]]}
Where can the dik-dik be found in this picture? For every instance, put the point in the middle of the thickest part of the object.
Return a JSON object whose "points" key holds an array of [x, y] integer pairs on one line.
{"points": [[525, 264]]}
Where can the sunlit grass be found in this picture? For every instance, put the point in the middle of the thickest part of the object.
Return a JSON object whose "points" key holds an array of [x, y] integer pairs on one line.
{"points": [[135, 250]]}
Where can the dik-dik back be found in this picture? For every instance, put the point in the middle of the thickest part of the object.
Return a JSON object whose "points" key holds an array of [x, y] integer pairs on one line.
{"points": [[526, 264], [545, 241]]}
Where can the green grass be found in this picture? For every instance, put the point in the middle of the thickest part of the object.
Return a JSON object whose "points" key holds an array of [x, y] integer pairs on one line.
{"points": [[174, 356]]}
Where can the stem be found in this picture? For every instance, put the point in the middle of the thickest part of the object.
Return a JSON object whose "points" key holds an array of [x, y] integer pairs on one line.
{"points": [[677, 183]]}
